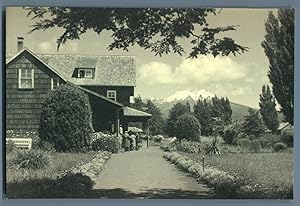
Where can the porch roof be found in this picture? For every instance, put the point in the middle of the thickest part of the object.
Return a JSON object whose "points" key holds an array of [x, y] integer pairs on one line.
{"points": [[130, 112]]}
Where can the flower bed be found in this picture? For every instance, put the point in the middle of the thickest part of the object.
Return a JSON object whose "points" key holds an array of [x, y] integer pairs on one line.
{"points": [[90, 167], [225, 184]]}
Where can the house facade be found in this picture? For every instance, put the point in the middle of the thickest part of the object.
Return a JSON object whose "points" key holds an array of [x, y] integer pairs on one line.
{"points": [[109, 82]]}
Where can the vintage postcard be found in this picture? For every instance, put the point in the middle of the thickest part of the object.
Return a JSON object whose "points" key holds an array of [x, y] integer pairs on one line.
{"points": [[163, 103]]}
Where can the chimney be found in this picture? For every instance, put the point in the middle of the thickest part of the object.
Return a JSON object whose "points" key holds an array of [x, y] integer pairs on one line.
{"points": [[20, 43]]}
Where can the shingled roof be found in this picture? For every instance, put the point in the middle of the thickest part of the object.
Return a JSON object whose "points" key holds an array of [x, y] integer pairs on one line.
{"points": [[109, 70]]}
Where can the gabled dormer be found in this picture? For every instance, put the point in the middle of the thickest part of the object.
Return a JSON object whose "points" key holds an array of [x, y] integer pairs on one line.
{"points": [[86, 73]]}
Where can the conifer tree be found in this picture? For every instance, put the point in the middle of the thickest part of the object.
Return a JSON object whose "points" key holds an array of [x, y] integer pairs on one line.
{"points": [[268, 111], [279, 48]]}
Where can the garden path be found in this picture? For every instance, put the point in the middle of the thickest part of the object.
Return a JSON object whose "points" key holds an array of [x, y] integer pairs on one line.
{"points": [[146, 174]]}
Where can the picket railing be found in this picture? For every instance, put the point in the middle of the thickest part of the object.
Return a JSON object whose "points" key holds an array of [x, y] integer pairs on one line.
{"points": [[24, 143]]}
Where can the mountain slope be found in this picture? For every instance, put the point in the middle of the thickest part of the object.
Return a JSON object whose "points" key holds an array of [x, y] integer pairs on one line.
{"points": [[238, 110]]}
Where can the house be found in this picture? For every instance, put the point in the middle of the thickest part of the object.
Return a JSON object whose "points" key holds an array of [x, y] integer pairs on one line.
{"points": [[108, 81]]}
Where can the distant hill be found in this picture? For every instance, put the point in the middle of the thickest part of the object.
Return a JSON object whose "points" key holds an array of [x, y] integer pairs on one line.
{"points": [[238, 111]]}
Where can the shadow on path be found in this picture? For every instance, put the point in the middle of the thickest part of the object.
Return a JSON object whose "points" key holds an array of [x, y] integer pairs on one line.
{"points": [[149, 194]]}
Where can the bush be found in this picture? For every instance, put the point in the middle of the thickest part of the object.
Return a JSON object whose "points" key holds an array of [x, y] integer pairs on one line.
{"points": [[10, 146], [158, 138], [268, 140], [66, 119], [106, 143], [280, 146], [213, 147], [288, 140], [30, 159], [231, 133], [244, 142], [255, 146], [188, 127], [75, 183], [189, 147]]}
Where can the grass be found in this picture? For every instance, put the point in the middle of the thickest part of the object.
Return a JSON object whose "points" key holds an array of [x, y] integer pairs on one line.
{"points": [[272, 170], [59, 163]]}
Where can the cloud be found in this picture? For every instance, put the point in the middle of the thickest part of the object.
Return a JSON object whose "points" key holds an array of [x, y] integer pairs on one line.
{"points": [[46, 47], [203, 70]]}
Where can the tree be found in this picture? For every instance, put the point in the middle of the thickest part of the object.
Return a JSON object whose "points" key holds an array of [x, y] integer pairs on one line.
{"points": [[176, 111], [155, 29], [253, 125], [188, 127], [139, 104], [202, 111], [156, 122], [268, 111], [279, 48], [213, 114], [66, 119]]}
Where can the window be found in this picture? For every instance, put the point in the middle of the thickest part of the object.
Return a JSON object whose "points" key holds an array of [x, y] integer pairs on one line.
{"points": [[26, 78], [54, 83], [85, 73], [112, 94]]}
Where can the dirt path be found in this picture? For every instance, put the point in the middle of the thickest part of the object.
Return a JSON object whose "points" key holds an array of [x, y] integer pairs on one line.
{"points": [[145, 174]]}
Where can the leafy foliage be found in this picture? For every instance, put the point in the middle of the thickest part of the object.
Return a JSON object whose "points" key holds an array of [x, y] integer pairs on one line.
{"points": [[175, 112], [279, 48], [213, 114], [280, 146], [188, 127], [189, 146], [231, 132], [253, 125], [106, 143], [268, 111], [155, 29], [66, 119], [213, 147], [156, 122], [30, 159]]}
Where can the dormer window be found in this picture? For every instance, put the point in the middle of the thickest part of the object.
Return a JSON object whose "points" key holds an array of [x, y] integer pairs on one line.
{"points": [[85, 73]]}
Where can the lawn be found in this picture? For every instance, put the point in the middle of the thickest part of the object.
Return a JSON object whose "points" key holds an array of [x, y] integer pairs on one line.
{"points": [[272, 170], [59, 163]]}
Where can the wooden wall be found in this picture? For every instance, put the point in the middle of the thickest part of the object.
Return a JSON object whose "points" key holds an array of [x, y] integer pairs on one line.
{"points": [[23, 106], [123, 92]]}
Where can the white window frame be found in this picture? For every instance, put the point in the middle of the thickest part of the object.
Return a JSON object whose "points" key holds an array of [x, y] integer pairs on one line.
{"points": [[52, 83], [20, 79], [85, 73], [113, 92]]}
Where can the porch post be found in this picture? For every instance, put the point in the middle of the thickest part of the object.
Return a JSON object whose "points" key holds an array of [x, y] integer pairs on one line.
{"points": [[118, 121]]}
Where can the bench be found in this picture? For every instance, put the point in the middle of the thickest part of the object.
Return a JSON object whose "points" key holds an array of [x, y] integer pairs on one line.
{"points": [[23, 143]]}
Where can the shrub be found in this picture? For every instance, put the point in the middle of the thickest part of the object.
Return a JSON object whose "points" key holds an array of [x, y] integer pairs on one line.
{"points": [[213, 147], [188, 127], [168, 146], [66, 119], [10, 146], [280, 146], [75, 183], [189, 147], [244, 142], [158, 138], [255, 146], [231, 132], [288, 139], [268, 140], [106, 143], [30, 159]]}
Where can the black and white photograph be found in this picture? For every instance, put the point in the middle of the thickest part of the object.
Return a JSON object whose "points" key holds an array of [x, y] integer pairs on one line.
{"points": [[148, 103]]}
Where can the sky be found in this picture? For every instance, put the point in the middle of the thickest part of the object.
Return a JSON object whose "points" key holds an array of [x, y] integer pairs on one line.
{"points": [[239, 78]]}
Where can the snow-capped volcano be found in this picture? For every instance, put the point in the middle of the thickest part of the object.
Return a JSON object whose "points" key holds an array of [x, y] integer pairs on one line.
{"points": [[165, 104], [188, 94]]}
